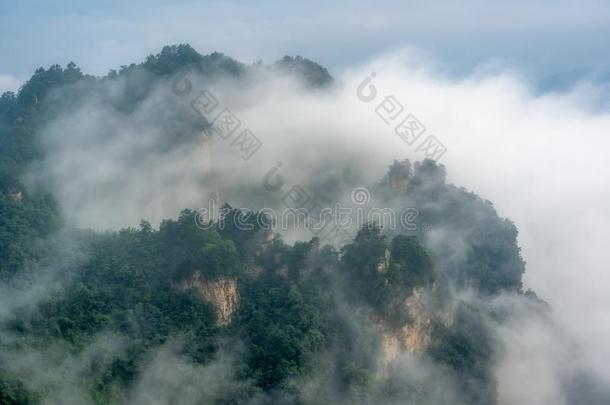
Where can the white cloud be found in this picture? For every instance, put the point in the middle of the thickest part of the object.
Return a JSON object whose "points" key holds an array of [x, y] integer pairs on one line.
{"points": [[9, 83], [542, 160]]}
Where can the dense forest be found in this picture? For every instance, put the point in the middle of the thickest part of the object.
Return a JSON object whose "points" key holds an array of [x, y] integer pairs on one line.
{"points": [[179, 313]]}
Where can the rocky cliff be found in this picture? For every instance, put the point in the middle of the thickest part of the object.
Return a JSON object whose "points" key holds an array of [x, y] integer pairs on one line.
{"points": [[222, 293], [415, 336]]}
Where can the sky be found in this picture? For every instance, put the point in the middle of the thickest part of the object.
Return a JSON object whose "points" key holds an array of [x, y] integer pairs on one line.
{"points": [[551, 43]]}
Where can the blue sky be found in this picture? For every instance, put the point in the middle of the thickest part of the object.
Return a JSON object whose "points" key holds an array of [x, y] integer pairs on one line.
{"points": [[551, 42]]}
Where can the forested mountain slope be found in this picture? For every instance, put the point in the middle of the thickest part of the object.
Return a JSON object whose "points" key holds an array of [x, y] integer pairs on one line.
{"points": [[183, 313]]}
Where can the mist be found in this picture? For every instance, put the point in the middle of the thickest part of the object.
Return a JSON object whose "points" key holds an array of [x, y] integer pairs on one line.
{"points": [[540, 158]]}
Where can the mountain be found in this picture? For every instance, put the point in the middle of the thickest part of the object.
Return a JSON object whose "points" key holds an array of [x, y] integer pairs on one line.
{"points": [[215, 313]]}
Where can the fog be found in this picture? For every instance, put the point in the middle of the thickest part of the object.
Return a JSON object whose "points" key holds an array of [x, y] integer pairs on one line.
{"points": [[540, 158]]}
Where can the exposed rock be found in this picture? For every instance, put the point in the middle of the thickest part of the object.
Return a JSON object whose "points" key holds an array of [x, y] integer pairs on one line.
{"points": [[222, 293], [16, 196], [390, 346], [415, 337], [383, 265], [263, 242], [398, 175]]}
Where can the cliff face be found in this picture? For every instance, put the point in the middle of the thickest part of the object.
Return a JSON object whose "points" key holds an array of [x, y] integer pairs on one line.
{"points": [[384, 264], [16, 196], [221, 293], [412, 338]]}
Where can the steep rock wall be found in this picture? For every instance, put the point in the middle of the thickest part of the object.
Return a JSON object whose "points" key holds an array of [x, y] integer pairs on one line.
{"points": [[415, 337], [222, 293]]}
